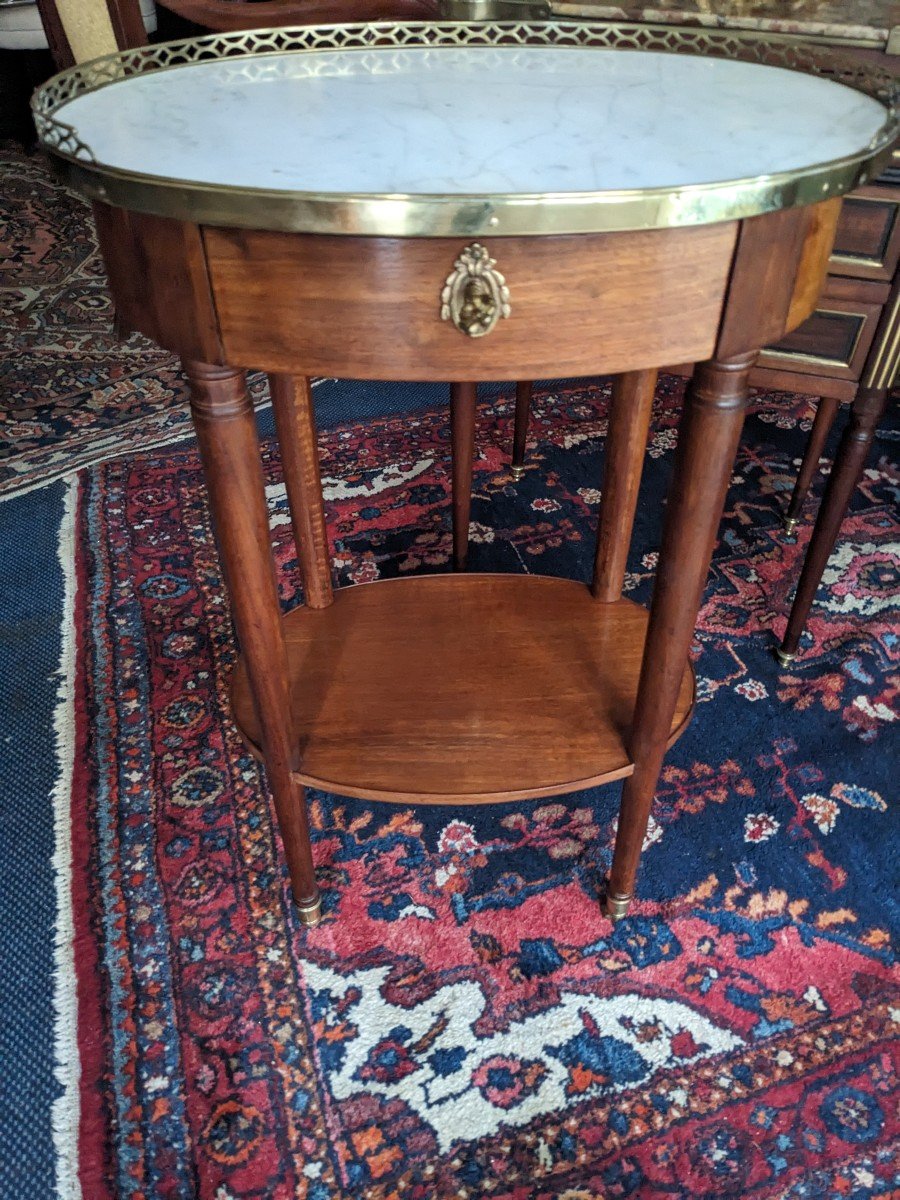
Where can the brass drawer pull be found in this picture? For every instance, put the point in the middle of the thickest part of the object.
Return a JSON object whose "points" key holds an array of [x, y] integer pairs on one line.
{"points": [[475, 295]]}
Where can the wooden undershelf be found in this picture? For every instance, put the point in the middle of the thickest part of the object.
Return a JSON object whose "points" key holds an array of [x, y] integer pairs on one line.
{"points": [[462, 689]]}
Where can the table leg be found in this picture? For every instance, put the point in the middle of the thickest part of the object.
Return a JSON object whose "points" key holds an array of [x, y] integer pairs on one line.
{"points": [[847, 468], [463, 399], [707, 442], [826, 411], [520, 431], [626, 445], [229, 448], [295, 422]]}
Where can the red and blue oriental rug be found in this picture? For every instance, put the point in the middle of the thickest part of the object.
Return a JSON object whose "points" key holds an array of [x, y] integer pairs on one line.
{"points": [[465, 1023]]}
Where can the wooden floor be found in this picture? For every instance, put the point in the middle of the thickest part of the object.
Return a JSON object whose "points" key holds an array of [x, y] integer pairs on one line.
{"points": [[463, 688]]}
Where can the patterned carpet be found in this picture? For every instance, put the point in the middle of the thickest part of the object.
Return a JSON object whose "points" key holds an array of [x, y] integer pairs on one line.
{"points": [[464, 1023], [70, 392]]}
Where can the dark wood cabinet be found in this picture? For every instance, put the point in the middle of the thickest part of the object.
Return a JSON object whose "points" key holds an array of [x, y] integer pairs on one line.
{"points": [[827, 355]]}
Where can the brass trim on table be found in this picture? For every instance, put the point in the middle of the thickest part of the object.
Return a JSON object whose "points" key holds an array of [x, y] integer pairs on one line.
{"points": [[400, 215]]}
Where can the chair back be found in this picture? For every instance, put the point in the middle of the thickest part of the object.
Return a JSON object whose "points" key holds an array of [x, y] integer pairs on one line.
{"points": [[78, 30]]}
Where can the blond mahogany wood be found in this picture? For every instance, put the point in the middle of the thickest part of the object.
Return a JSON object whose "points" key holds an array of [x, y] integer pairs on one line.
{"points": [[295, 422], [789, 381], [821, 222], [157, 273], [708, 435], [626, 445], [463, 407], [229, 450], [780, 264], [459, 689], [369, 308], [463, 689]]}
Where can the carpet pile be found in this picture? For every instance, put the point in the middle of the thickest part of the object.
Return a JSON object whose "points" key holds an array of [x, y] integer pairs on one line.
{"points": [[465, 1022]]}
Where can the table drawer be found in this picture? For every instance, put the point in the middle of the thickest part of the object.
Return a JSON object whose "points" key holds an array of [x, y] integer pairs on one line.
{"points": [[836, 339], [867, 243]]}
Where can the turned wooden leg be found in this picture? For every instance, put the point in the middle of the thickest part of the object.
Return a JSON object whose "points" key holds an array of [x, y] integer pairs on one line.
{"points": [[295, 422], [229, 448], [626, 445], [463, 398], [845, 472], [707, 442], [520, 431], [818, 435]]}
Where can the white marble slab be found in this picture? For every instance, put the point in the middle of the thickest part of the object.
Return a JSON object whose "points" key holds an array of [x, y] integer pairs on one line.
{"points": [[472, 121]]}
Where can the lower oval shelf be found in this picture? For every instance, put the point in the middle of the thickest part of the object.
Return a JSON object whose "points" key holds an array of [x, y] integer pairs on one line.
{"points": [[462, 689]]}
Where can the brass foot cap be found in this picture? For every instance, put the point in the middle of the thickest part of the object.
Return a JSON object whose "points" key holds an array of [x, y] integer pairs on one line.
{"points": [[310, 912], [517, 473], [784, 658], [790, 524], [617, 907]]}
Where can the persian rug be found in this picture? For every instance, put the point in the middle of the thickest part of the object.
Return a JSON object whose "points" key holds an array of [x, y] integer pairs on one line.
{"points": [[465, 1022], [71, 392]]}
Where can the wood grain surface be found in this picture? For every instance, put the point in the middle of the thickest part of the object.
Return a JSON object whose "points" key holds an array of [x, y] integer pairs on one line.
{"points": [[369, 308], [463, 689]]}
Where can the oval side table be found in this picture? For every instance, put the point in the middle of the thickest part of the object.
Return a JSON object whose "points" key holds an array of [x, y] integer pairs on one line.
{"points": [[462, 202]]}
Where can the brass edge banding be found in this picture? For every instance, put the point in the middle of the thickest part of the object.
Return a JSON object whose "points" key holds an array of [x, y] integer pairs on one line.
{"points": [[461, 215]]}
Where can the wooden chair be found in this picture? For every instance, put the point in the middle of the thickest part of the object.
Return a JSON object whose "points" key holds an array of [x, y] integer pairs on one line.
{"points": [[78, 30]]}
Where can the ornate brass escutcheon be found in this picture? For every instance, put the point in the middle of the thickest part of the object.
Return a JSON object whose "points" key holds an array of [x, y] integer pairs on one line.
{"points": [[475, 295]]}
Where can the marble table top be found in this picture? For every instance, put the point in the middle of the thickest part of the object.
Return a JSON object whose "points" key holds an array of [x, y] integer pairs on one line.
{"points": [[471, 120]]}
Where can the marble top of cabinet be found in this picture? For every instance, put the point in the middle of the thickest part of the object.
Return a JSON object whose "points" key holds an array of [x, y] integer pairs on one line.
{"points": [[863, 22]]}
